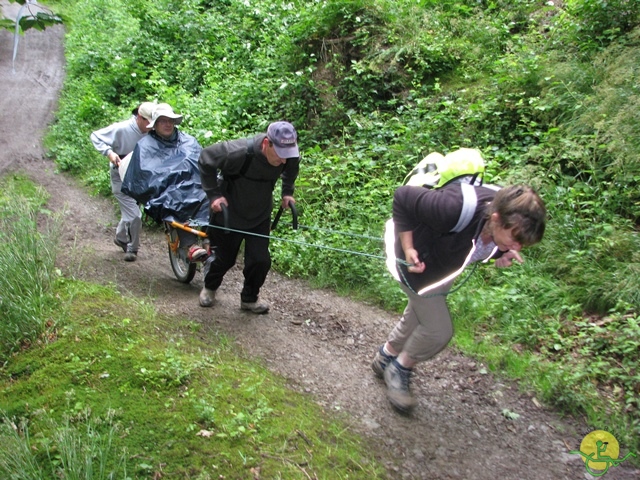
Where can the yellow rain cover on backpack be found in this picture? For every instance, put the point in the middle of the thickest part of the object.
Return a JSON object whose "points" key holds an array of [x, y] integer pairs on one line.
{"points": [[436, 170]]}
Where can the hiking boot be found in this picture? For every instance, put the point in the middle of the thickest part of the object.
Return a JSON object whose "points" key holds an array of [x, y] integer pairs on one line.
{"points": [[380, 362], [196, 253], [206, 264], [130, 256], [397, 379], [255, 307], [122, 245], [207, 297]]}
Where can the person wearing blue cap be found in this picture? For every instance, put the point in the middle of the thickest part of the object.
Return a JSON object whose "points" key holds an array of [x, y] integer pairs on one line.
{"points": [[241, 176]]}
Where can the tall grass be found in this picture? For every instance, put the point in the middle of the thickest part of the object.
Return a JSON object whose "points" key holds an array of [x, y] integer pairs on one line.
{"points": [[76, 449], [16, 459], [27, 266]]}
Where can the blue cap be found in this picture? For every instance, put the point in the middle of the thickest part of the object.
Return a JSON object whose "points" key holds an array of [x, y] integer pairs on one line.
{"points": [[284, 139]]}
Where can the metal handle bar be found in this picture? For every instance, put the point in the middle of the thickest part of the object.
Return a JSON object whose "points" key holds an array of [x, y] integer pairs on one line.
{"points": [[294, 214], [187, 228], [225, 215]]}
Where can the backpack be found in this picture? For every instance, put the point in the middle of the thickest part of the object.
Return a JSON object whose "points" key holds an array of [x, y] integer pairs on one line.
{"points": [[464, 166], [226, 181]]}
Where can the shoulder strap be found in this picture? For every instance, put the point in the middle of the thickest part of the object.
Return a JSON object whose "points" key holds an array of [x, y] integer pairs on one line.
{"points": [[469, 204], [247, 161], [247, 158]]}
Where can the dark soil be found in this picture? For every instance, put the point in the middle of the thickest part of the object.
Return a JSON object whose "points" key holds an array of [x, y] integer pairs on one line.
{"points": [[321, 342]]}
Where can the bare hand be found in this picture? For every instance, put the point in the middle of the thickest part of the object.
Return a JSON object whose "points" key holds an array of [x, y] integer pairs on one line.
{"points": [[287, 200], [114, 158], [216, 205], [507, 259], [413, 258]]}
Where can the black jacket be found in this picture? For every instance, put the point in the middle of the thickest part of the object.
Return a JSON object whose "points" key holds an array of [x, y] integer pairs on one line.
{"points": [[249, 194], [431, 214]]}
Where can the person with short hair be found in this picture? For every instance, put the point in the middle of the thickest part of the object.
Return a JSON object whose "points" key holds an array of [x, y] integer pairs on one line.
{"points": [[115, 142], [425, 256], [240, 175]]}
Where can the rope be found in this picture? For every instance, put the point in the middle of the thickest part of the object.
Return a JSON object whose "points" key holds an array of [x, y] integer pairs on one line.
{"points": [[297, 242], [342, 250], [398, 260], [355, 235]]}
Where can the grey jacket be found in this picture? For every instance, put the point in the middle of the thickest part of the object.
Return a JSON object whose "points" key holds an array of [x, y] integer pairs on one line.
{"points": [[120, 137]]}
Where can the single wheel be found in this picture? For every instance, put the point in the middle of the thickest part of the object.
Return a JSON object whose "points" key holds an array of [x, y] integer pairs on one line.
{"points": [[182, 268]]}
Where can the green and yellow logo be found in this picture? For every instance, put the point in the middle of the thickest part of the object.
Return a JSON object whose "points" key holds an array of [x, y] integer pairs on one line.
{"points": [[600, 451]]}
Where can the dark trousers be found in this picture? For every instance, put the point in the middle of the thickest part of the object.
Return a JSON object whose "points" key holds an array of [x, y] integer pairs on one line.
{"points": [[257, 259]]}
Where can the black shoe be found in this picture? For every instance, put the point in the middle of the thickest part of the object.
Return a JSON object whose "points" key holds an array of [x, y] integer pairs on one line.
{"points": [[130, 256]]}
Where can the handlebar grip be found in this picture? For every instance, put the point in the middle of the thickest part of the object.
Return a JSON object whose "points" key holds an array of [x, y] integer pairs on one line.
{"points": [[274, 224], [225, 215], [294, 214]]}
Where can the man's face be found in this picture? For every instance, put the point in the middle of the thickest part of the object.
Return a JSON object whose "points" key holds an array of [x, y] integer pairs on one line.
{"points": [[272, 157], [164, 126], [142, 123]]}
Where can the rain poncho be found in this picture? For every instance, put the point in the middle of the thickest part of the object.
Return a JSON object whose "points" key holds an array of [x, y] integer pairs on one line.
{"points": [[163, 176]]}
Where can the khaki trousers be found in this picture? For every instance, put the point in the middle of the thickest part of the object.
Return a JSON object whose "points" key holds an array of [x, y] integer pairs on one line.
{"points": [[425, 327]]}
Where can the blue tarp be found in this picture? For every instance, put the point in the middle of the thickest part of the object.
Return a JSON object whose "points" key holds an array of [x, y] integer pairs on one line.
{"points": [[164, 177]]}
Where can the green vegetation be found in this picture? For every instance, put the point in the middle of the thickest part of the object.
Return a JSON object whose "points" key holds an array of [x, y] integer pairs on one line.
{"points": [[26, 301], [31, 16], [110, 389], [548, 93]]}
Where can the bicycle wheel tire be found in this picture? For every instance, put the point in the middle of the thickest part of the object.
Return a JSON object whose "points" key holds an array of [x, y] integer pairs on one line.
{"points": [[182, 268]]}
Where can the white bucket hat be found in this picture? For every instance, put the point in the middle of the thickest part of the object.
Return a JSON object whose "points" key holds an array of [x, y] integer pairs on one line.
{"points": [[164, 110]]}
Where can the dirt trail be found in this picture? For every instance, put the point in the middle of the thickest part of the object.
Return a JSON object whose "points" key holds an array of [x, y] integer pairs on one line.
{"points": [[319, 341]]}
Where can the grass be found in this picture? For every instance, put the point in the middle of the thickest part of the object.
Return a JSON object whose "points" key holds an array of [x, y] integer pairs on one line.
{"points": [[104, 387], [155, 395], [26, 264]]}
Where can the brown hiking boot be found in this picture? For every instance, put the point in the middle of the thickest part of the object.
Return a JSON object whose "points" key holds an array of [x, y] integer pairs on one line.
{"points": [[397, 379], [380, 362]]}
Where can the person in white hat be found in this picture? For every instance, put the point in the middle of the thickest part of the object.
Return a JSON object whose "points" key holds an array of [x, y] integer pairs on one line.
{"points": [[115, 142], [165, 175]]}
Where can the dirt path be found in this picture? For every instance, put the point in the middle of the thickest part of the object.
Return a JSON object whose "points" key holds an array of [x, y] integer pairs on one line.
{"points": [[321, 342]]}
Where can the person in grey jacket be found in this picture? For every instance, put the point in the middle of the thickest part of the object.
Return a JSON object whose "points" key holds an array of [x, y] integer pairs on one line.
{"points": [[425, 256], [115, 142], [241, 176]]}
